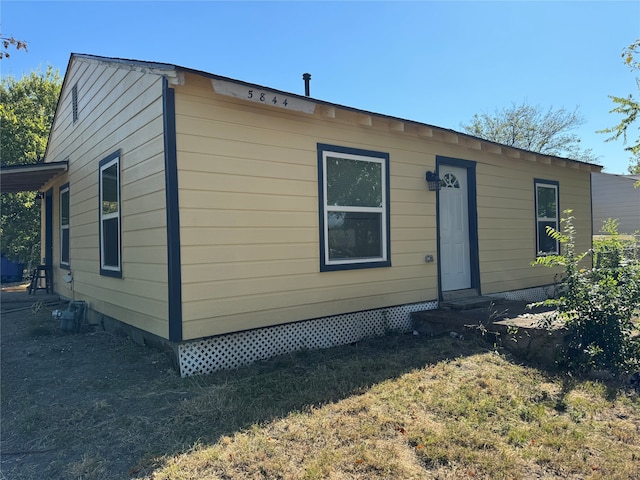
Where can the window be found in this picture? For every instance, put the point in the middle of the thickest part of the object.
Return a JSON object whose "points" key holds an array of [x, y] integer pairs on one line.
{"points": [[354, 208], [449, 180], [547, 215], [64, 226], [110, 263]]}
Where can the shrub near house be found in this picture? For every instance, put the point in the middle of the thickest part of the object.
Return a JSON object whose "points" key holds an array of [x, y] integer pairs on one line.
{"points": [[599, 305]]}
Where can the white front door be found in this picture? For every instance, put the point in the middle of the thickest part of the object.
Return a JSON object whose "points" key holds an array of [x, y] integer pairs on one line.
{"points": [[455, 268]]}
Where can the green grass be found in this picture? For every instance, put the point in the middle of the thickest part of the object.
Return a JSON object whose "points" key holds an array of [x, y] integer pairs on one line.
{"points": [[475, 415]]}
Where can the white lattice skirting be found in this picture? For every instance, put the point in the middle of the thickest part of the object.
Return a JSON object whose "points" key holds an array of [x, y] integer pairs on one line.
{"points": [[242, 348]]}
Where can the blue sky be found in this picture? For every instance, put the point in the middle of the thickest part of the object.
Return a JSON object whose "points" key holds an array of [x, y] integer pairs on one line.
{"points": [[432, 62]]}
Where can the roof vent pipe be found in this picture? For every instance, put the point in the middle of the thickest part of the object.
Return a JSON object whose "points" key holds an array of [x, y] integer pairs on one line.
{"points": [[306, 77]]}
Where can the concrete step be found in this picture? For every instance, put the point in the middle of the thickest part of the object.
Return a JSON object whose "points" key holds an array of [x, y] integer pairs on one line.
{"points": [[450, 295], [484, 313], [437, 322], [469, 303]]}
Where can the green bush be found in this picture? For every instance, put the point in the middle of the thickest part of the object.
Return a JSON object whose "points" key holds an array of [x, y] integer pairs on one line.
{"points": [[599, 299]]}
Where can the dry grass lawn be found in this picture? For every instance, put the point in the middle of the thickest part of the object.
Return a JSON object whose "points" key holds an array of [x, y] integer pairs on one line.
{"points": [[475, 416], [95, 406]]}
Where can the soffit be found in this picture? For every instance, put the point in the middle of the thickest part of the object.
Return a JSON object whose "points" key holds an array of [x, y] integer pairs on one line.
{"points": [[29, 178]]}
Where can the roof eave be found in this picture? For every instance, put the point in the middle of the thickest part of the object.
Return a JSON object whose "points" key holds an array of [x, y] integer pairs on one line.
{"points": [[29, 177]]}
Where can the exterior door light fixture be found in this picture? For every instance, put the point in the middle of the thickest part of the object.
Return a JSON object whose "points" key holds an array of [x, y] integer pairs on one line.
{"points": [[433, 181]]}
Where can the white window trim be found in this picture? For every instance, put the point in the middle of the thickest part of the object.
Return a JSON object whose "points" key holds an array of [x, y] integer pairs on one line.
{"points": [[64, 227], [337, 208], [540, 183], [109, 216]]}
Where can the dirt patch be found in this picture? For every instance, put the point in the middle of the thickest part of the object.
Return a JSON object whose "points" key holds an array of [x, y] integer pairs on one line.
{"points": [[83, 405]]}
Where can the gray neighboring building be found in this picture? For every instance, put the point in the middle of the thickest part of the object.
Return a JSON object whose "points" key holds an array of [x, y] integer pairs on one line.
{"points": [[614, 196]]}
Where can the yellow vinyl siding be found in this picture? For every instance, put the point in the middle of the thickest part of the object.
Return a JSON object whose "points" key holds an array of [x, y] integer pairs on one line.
{"points": [[248, 236], [506, 219], [202, 324], [119, 109], [364, 295], [248, 205], [249, 217], [278, 283], [200, 180], [249, 212], [247, 201]]}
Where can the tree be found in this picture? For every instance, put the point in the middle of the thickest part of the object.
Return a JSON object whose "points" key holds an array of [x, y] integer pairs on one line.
{"points": [[27, 107], [634, 165], [532, 128], [627, 106], [10, 42]]}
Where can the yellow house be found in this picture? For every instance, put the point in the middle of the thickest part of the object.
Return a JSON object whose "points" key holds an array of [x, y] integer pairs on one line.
{"points": [[234, 221]]}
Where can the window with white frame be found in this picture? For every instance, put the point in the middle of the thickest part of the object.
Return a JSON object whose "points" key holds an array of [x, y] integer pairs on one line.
{"points": [[354, 208], [547, 215], [110, 261], [64, 226]]}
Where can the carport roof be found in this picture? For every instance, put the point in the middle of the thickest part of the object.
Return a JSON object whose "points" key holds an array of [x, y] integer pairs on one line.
{"points": [[29, 178]]}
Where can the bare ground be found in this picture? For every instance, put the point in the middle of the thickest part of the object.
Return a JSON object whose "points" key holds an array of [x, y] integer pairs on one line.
{"points": [[57, 387], [94, 405]]}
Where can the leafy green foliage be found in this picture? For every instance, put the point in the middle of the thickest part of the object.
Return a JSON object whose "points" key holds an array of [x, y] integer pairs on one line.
{"points": [[634, 165], [628, 107], [629, 55], [20, 227], [597, 304], [532, 128], [27, 107]]}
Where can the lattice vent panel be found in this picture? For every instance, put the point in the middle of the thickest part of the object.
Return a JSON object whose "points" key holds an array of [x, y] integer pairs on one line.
{"points": [[237, 349]]}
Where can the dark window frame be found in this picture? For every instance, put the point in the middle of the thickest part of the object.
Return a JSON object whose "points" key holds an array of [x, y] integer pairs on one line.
{"points": [[110, 269], [540, 230], [384, 259]]}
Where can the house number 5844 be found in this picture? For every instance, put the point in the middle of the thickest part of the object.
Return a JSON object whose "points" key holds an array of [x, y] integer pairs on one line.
{"points": [[267, 98]]}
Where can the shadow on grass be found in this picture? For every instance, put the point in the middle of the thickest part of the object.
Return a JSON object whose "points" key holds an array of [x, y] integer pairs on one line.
{"points": [[230, 401]]}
